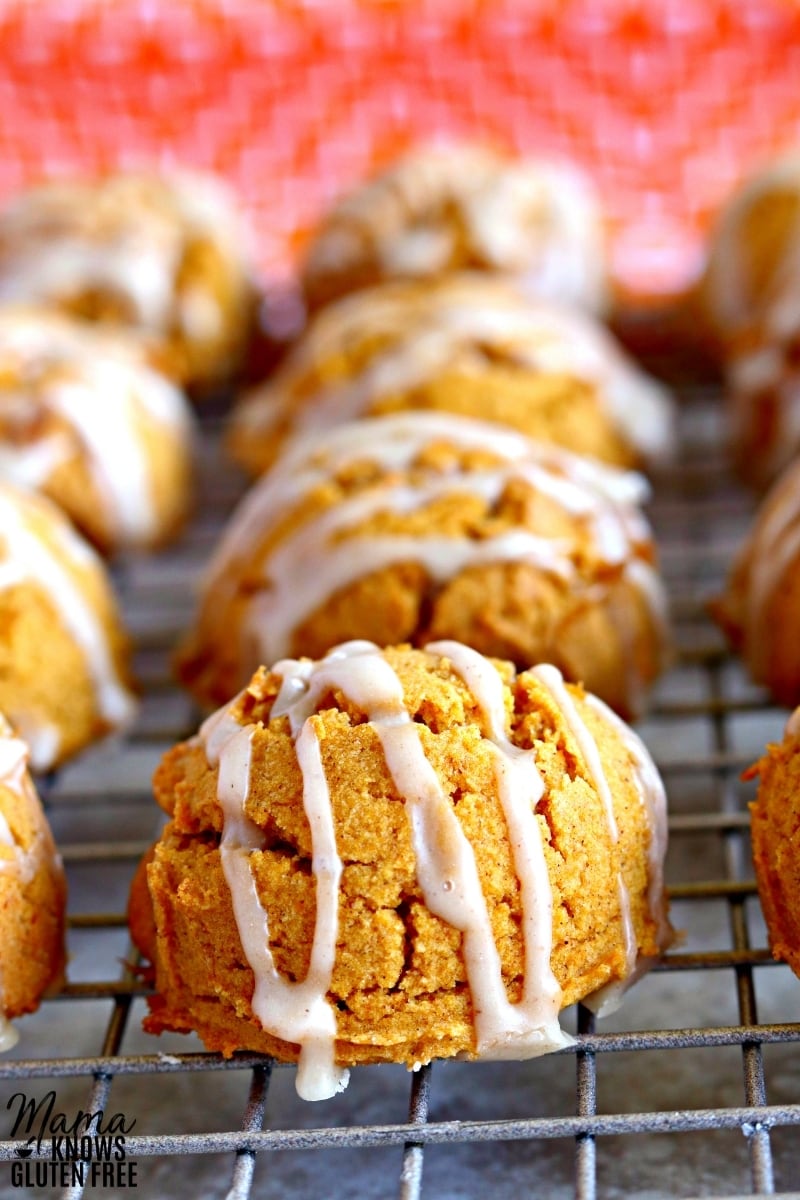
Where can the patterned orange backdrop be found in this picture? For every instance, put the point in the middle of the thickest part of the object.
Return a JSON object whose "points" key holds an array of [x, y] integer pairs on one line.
{"points": [[667, 103]]}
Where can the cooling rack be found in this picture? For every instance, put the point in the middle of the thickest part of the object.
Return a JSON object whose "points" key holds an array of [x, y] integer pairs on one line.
{"points": [[692, 1089]]}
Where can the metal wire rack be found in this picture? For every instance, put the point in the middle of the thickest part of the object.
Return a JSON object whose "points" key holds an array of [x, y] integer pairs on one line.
{"points": [[692, 1089]]}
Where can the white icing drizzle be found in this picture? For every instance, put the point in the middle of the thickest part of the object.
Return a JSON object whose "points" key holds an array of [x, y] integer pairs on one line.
{"points": [[429, 332], [103, 388], [29, 559], [394, 442], [793, 726], [32, 465], [318, 558], [520, 788], [313, 566], [652, 794], [541, 222], [295, 1012], [8, 1035], [49, 270], [552, 680]]}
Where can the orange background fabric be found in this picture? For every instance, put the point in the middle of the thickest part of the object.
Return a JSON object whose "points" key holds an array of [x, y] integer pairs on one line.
{"points": [[667, 104]]}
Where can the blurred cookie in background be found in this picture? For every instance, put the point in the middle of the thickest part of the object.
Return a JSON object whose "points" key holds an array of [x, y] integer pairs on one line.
{"points": [[750, 298], [470, 345], [85, 419], [760, 609], [445, 208], [167, 254]]}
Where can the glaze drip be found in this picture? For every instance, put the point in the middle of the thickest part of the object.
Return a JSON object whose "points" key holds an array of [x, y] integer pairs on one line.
{"points": [[536, 218], [553, 682], [651, 792], [295, 1012], [520, 787]]}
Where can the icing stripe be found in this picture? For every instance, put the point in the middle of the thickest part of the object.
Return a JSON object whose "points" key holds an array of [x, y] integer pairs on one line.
{"points": [[125, 235], [395, 442], [520, 787], [446, 867], [651, 791], [8, 1034], [553, 682], [295, 1012]]}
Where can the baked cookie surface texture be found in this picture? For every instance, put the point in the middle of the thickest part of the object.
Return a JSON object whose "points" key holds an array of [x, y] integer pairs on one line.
{"points": [[776, 843], [396, 855]]}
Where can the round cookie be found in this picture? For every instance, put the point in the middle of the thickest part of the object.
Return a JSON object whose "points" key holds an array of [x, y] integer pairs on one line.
{"points": [[167, 255], [751, 298], [468, 345], [86, 420], [775, 842], [63, 652], [759, 610], [441, 209], [32, 891], [421, 525], [397, 855]]}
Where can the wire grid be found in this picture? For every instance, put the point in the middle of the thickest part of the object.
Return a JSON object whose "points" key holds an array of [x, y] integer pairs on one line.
{"points": [[705, 725]]}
